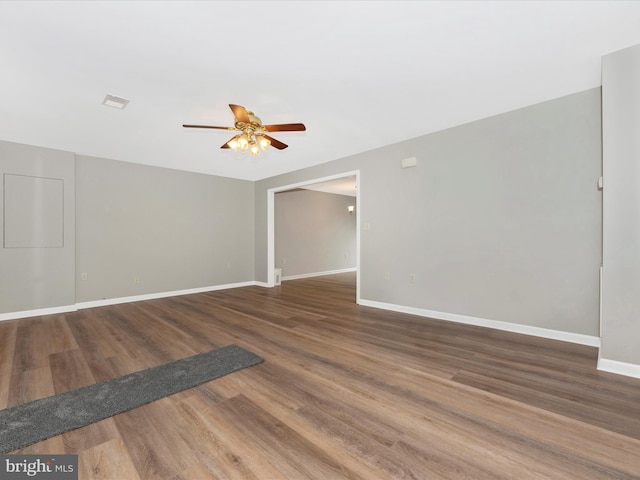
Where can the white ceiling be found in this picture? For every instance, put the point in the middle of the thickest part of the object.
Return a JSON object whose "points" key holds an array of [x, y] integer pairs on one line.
{"points": [[359, 74]]}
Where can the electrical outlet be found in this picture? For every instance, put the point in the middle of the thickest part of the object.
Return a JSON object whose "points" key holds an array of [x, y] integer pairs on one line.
{"points": [[387, 276], [83, 276], [136, 279], [412, 278], [284, 261]]}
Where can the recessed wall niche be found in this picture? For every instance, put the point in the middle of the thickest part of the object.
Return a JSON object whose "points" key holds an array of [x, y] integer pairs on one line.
{"points": [[33, 212]]}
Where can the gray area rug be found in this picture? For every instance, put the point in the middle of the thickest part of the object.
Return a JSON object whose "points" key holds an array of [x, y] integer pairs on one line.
{"points": [[32, 422]]}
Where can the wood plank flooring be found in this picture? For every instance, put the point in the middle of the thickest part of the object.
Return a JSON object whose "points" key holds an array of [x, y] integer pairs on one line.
{"points": [[345, 392]]}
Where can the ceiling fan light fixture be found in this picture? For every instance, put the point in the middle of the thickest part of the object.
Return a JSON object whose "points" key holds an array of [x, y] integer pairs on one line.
{"points": [[233, 143], [243, 141], [263, 141], [252, 135]]}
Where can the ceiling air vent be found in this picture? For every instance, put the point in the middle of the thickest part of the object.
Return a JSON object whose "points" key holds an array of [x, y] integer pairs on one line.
{"points": [[115, 102]]}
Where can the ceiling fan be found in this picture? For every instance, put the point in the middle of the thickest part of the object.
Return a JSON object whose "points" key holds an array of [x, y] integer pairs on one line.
{"points": [[253, 136]]}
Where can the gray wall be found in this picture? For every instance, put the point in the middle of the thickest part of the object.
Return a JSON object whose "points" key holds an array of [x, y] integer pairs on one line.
{"points": [[131, 229], [314, 232], [500, 219], [37, 218], [172, 230], [621, 203]]}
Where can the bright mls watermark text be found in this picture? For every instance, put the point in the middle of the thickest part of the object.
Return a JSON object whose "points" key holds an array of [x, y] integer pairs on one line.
{"points": [[39, 467]]}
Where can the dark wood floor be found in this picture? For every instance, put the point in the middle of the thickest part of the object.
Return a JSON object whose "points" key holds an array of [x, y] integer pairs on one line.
{"points": [[345, 392]]}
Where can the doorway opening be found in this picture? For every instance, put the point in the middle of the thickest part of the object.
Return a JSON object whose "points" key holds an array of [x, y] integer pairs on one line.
{"points": [[310, 184]]}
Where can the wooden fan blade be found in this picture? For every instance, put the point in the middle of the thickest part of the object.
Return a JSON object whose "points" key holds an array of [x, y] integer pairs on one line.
{"points": [[240, 113], [208, 126], [226, 145], [275, 143], [285, 127]]}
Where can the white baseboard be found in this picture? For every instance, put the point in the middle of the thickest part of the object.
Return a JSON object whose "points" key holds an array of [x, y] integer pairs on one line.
{"points": [[483, 322], [318, 274], [152, 296], [37, 312], [620, 368], [115, 301]]}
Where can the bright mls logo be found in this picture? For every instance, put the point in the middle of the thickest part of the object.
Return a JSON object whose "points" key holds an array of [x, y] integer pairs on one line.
{"points": [[43, 467]]}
